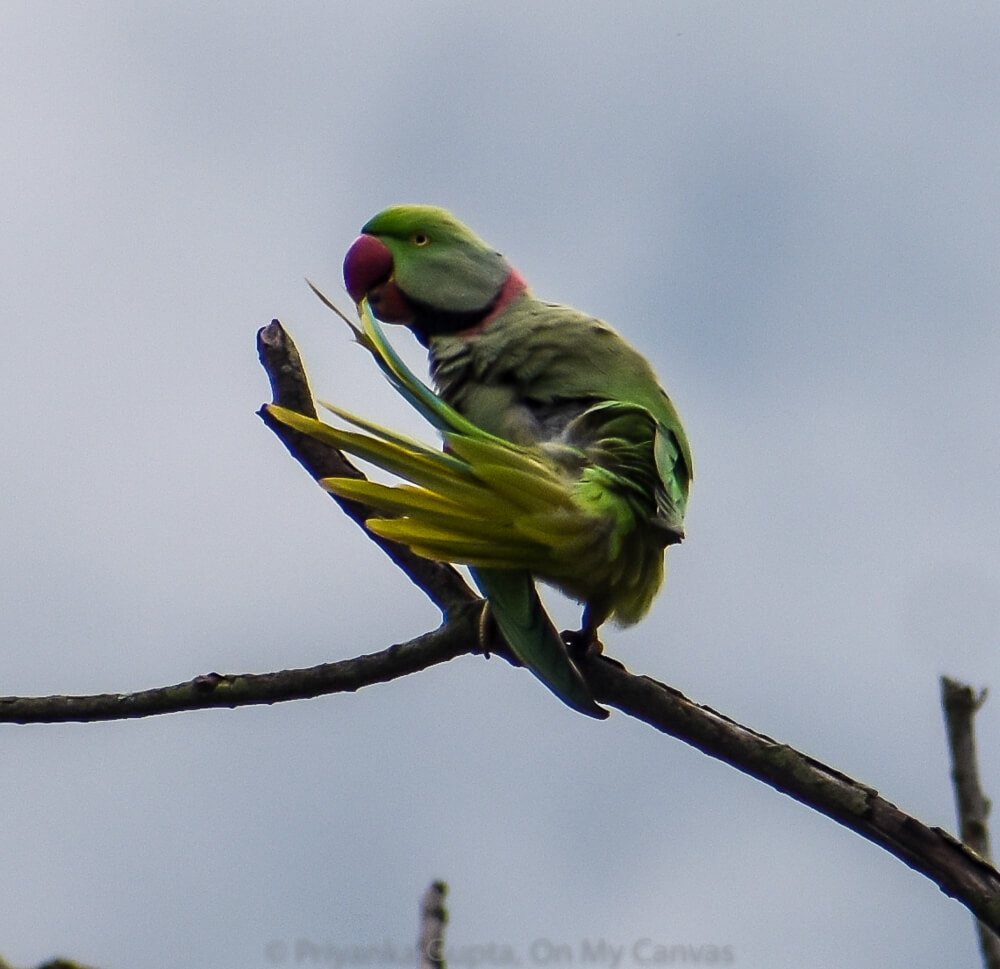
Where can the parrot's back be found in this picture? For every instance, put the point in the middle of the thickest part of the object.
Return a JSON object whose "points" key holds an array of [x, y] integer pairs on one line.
{"points": [[537, 368]]}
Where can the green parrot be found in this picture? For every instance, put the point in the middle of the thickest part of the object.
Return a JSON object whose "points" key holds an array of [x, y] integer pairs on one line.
{"points": [[564, 460]]}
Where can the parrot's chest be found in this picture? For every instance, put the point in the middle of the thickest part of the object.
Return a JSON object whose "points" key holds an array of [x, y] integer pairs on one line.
{"points": [[498, 388], [482, 390]]}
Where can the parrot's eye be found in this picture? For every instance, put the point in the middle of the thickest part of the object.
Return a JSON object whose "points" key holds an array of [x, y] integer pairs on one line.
{"points": [[420, 238]]}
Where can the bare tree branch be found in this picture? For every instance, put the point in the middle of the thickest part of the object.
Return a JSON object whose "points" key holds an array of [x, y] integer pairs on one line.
{"points": [[961, 704], [933, 852], [455, 638], [959, 871], [956, 869]]}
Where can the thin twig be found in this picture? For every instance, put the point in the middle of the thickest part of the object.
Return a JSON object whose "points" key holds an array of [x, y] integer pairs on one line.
{"points": [[961, 703]]}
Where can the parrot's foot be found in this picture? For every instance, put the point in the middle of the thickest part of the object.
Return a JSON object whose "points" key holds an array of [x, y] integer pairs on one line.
{"points": [[582, 641]]}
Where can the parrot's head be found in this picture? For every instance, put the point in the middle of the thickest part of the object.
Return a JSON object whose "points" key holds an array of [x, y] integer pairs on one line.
{"points": [[418, 265]]}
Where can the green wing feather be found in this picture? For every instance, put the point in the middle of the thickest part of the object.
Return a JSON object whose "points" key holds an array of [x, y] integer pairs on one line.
{"points": [[483, 502]]}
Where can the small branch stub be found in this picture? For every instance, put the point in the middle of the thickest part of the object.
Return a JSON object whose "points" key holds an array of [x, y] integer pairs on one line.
{"points": [[961, 703], [433, 918]]}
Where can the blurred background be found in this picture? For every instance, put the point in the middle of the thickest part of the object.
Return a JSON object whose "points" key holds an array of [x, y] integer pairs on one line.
{"points": [[791, 209]]}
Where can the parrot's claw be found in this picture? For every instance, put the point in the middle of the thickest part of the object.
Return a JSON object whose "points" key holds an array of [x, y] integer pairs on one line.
{"points": [[487, 628]]}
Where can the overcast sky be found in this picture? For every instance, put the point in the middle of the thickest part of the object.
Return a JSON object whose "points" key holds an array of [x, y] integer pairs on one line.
{"points": [[791, 209]]}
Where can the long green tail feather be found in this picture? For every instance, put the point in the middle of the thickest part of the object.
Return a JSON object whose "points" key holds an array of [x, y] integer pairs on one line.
{"points": [[526, 626]]}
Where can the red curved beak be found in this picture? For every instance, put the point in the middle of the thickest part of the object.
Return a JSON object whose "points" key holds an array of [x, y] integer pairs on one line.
{"points": [[368, 262], [368, 272]]}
